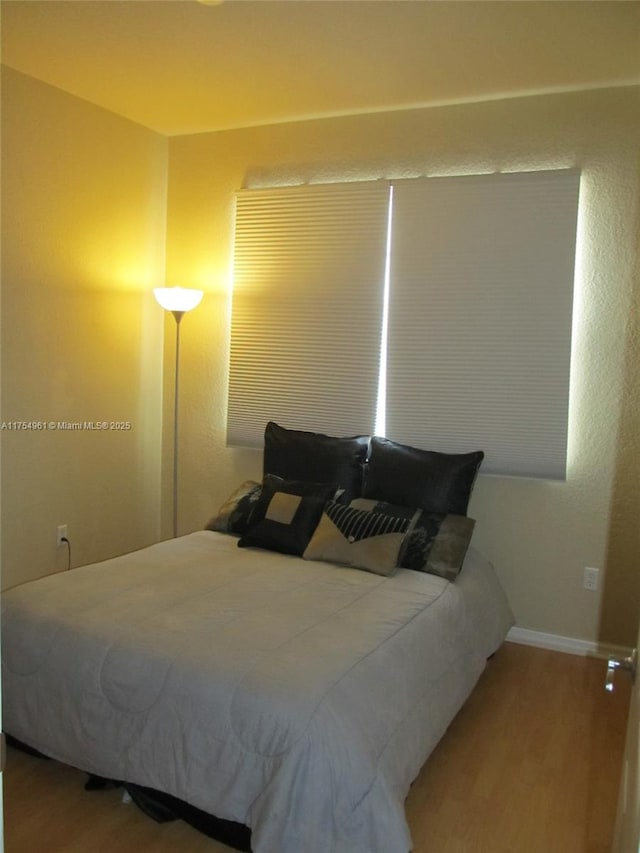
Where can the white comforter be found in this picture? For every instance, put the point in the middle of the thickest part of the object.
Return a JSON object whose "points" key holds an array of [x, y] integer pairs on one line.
{"points": [[296, 697]]}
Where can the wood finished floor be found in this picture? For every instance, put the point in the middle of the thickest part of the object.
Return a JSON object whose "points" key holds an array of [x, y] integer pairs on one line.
{"points": [[531, 764]]}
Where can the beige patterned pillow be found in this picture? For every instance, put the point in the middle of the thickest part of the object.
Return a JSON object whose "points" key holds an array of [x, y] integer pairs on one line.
{"points": [[234, 514]]}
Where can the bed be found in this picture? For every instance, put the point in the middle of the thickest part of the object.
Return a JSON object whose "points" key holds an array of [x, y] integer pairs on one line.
{"points": [[296, 695]]}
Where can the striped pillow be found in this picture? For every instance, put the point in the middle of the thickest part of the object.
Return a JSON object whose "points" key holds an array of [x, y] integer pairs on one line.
{"points": [[358, 538]]}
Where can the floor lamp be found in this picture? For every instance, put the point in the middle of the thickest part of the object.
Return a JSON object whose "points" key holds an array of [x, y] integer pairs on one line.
{"points": [[178, 300]]}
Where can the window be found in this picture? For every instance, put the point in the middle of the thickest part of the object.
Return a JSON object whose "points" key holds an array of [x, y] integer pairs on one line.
{"points": [[477, 275], [307, 308], [480, 309]]}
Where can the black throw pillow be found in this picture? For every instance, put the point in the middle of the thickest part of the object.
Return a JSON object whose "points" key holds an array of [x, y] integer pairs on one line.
{"points": [[286, 514]]}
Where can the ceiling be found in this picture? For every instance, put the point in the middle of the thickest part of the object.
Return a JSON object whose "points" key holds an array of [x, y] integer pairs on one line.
{"points": [[182, 66]]}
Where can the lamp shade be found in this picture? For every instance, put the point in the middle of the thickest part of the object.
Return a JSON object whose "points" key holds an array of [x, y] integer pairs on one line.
{"points": [[177, 298]]}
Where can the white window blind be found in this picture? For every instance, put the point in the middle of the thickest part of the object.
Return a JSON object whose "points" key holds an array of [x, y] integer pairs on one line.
{"points": [[480, 309], [307, 309]]}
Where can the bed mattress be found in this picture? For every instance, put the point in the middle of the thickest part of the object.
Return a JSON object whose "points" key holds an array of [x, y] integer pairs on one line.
{"points": [[296, 697]]}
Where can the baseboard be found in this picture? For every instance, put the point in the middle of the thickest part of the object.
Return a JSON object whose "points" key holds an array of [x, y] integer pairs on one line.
{"points": [[570, 645]]}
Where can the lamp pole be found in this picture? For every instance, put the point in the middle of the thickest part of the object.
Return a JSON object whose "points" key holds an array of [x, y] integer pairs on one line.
{"points": [[177, 300], [176, 387]]}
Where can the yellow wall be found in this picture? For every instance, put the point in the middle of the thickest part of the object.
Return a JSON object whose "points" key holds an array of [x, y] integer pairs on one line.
{"points": [[539, 534], [83, 231]]}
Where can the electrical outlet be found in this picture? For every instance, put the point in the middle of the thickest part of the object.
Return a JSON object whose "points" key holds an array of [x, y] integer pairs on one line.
{"points": [[591, 578], [61, 534]]}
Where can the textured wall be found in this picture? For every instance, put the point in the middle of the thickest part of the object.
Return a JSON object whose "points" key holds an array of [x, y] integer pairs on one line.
{"points": [[539, 534], [83, 227], [619, 615]]}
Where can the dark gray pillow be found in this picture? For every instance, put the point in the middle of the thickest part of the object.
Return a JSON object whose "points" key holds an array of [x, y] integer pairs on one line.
{"points": [[286, 514], [435, 482], [298, 455]]}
